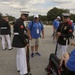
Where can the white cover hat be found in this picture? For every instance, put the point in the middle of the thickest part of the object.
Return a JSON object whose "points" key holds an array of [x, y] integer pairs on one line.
{"points": [[4, 15], [24, 12], [66, 14]]}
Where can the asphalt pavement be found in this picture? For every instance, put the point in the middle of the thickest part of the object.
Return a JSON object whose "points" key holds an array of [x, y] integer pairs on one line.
{"points": [[38, 63]]}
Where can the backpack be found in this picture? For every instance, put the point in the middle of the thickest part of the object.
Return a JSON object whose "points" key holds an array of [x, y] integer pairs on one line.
{"points": [[32, 24]]}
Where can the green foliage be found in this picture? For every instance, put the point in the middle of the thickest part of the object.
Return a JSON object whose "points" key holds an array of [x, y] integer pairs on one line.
{"points": [[73, 17], [11, 18], [0, 16], [30, 18], [43, 18], [53, 13]]}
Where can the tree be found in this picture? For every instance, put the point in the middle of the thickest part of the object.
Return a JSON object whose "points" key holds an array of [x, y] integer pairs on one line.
{"points": [[0, 16], [53, 13], [43, 17], [73, 17], [30, 18], [11, 18]]}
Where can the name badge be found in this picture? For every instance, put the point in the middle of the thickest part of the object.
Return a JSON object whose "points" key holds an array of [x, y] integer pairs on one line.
{"points": [[37, 31]]}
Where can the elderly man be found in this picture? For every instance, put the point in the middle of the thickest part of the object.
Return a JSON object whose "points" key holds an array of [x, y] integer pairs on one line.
{"points": [[55, 27], [66, 63], [35, 28]]}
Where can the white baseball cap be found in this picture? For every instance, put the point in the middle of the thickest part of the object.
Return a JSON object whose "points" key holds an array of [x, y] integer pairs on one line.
{"points": [[58, 17], [71, 20], [36, 16]]}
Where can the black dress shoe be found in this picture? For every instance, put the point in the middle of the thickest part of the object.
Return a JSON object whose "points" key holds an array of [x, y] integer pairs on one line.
{"points": [[28, 74], [18, 71], [4, 49], [46, 69]]}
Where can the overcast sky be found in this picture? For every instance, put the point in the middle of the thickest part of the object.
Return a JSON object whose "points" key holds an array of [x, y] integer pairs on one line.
{"points": [[13, 7]]}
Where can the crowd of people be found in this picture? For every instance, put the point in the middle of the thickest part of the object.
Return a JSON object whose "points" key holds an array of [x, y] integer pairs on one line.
{"points": [[23, 34], [31, 34]]}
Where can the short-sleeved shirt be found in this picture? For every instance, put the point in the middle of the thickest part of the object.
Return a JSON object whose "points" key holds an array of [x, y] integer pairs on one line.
{"points": [[56, 23], [35, 29], [73, 26], [71, 62]]}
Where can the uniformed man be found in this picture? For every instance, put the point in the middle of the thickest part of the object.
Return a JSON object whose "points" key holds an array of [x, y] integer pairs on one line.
{"points": [[64, 32], [20, 41], [5, 31]]}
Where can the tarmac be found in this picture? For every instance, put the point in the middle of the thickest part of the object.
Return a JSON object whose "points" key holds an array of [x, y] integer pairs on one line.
{"points": [[38, 63]]}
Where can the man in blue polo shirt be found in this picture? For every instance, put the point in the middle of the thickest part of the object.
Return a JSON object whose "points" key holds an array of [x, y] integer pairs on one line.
{"points": [[35, 28], [72, 29], [55, 26]]}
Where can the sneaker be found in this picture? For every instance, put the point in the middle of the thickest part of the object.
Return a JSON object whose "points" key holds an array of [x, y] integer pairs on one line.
{"points": [[32, 55], [18, 70], [38, 54]]}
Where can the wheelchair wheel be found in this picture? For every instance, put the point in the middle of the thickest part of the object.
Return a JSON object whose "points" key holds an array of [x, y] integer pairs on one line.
{"points": [[47, 69], [48, 74], [54, 71]]}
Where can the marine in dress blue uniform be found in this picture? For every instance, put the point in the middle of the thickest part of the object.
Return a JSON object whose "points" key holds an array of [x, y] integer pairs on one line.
{"points": [[5, 32], [19, 42], [64, 32]]}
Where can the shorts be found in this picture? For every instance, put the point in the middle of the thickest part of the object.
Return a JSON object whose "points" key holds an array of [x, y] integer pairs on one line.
{"points": [[34, 42]]}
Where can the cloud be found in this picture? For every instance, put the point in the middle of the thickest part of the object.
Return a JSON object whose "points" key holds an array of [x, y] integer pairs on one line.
{"points": [[61, 1], [7, 3], [13, 7], [38, 2]]}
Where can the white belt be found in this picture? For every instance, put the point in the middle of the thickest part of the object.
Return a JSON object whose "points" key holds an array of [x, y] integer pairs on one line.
{"points": [[3, 27], [16, 33]]}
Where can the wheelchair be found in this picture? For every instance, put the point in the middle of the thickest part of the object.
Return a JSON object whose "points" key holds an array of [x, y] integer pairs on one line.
{"points": [[53, 67]]}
